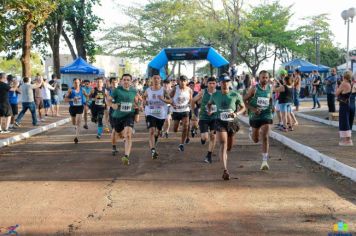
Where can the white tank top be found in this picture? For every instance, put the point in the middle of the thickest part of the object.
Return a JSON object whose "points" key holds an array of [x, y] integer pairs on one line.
{"points": [[181, 100], [155, 107]]}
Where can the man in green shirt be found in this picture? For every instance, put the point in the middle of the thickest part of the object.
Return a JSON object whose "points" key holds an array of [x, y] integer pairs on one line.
{"points": [[123, 101], [229, 104], [258, 101], [206, 121]]}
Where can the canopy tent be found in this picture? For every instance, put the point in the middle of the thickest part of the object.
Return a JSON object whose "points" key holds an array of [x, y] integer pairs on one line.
{"points": [[304, 66], [156, 66], [79, 68]]}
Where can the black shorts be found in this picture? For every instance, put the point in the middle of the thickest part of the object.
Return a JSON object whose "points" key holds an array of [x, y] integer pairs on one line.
{"points": [[111, 119], [153, 122], [97, 110], [258, 123], [180, 115], [15, 109], [207, 125], [76, 110], [5, 110], [226, 126], [121, 123]]}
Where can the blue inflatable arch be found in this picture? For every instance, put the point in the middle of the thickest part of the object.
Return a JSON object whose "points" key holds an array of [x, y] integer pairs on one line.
{"points": [[156, 66]]}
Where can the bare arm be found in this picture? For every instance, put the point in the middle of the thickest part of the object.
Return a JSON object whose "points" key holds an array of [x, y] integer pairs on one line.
{"points": [[66, 98]]}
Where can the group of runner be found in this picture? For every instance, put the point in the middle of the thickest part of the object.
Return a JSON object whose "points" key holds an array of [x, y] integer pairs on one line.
{"points": [[215, 109]]}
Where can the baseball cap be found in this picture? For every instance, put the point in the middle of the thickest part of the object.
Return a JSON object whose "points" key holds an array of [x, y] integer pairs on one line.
{"points": [[283, 72], [225, 78]]}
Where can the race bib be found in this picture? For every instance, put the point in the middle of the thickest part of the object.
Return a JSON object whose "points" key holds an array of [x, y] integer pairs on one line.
{"points": [[77, 101], [99, 102], [180, 108], [157, 111], [126, 106], [213, 108], [263, 102], [226, 116]]}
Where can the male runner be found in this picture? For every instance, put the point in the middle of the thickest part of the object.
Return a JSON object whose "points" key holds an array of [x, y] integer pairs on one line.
{"points": [[98, 107], [182, 97], [258, 100], [155, 99], [167, 124], [206, 121], [229, 104]]}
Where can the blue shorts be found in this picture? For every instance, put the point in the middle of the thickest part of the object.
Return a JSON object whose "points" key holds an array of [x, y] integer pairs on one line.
{"points": [[47, 103], [55, 100], [285, 107]]}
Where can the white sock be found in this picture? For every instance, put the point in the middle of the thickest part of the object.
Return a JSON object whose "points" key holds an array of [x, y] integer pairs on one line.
{"points": [[265, 156]]}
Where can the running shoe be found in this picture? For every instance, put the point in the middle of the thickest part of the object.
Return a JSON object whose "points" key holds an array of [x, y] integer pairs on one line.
{"points": [[154, 155], [125, 160], [76, 140], [5, 131], [17, 124], [85, 127], [181, 147], [166, 134], [226, 175], [208, 159], [187, 141], [114, 151], [264, 165], [193, 133], [98, 136]]}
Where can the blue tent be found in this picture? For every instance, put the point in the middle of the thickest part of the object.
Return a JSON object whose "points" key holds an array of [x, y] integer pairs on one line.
{"points": [[304, 66], [80, 66], [156, 66]]}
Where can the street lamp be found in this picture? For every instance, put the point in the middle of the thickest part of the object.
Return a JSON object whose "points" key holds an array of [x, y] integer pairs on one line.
{"points": [[348, 16]]}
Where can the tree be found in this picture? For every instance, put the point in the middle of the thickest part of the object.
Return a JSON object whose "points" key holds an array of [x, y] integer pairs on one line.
{"points": [[28, 14], [82, 22], [13, 66]]}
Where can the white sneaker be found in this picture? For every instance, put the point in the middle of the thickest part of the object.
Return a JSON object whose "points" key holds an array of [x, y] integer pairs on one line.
{"points": [[264, 165], [43, 120]]}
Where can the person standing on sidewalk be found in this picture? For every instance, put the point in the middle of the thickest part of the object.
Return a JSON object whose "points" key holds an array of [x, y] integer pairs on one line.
{"points": [[258, 101], [330, 86], [28, 101], [14, 100], [5, 107], [344, 92], [56, 93], [352, 100], [39, 98], [296, 88], [46, 95], [315, 88]]}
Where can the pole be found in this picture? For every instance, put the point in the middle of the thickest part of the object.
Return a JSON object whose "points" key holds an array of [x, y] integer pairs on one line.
{"points": [[178, 69], [317, 49], [347, 47], [194, 65]]}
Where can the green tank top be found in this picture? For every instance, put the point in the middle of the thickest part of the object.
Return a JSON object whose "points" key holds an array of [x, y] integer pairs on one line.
{"points": [[261, 100], [226, 104], [126, 100], [203, 115]]}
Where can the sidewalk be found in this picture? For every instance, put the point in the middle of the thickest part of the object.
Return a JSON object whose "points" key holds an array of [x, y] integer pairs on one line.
{"points": [[27, 129]]}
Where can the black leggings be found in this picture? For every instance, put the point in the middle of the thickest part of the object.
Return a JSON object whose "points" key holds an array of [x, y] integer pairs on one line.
{"points": [[98, 115]]}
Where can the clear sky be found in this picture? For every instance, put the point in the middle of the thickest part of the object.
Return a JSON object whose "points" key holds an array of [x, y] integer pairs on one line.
{"points": [[111, 13]]}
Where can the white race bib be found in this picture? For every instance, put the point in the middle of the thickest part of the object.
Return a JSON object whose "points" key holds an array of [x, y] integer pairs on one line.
{"points": [[225, 116], [156, 111], [126, 106], [181, 108], [77, 101], [99, 102], [263, 102]]}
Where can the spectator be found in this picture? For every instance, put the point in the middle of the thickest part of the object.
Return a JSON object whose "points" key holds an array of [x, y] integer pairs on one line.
{"points": [[285, 101], [5, 108], [352, 100], [56, 93], [296, 88], [315, 89], [46, 95], [303, 85], [38, 97], [233, 72], [28, 101], [344, 92], [14, 100], [330, 87]]}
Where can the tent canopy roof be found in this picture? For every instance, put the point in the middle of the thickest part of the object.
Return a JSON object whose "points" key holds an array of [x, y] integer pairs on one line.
{"points": [[304, 66], [80, 66]]}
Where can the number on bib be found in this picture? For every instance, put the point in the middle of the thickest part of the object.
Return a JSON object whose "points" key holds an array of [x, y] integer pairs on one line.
{"points": [[99, 102], [126, 106], [77, 101], [225, 116], [262, 102]]}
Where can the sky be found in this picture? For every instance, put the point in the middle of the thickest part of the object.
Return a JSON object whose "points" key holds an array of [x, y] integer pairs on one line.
{"points": [[111, 13]]}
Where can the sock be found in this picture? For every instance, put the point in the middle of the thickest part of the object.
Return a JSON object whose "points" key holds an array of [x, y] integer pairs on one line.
{"points": [[100, 130], [209, 154], [113, 147], [153, 150], [265, 156]]}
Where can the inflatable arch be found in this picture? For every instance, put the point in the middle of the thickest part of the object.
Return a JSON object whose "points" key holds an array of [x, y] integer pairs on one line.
{"points": [[156, 66]]}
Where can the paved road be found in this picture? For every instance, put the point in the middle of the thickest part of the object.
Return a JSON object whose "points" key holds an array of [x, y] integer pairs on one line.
{"points": [[49, 186]]}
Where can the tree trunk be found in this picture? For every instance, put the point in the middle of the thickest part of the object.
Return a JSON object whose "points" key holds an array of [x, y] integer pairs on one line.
{"points": [[54, 41], [274, 63], [69, 44], [26, 47], [233, 56], [79, 44]]}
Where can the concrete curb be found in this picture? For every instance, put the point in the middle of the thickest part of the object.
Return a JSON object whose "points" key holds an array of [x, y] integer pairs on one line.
{"points": [[312, 154], [22, 136], [317, 119]]}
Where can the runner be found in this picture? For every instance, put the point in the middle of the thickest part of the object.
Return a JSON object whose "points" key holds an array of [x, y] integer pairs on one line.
{"points": [[193, 120], [229, 104], [167, 124], [98, 105], [259, 103], [182, 97], [155, 98], [87, 104], [75, 97], [123, 101], [206, 121]]}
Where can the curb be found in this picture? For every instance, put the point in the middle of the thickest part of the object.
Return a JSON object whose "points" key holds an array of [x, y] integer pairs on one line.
{"points": [[317, 119], [17, 138], [312, 154]]}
